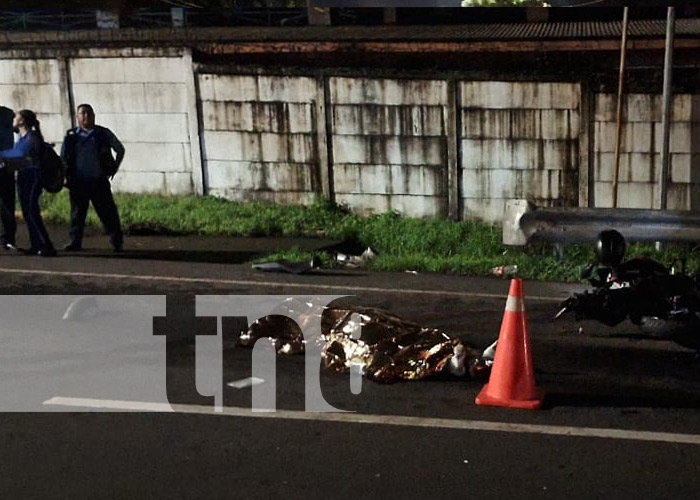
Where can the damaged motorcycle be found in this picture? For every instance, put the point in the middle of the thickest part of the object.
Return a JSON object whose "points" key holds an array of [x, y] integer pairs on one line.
{"points": [[663, 302]]}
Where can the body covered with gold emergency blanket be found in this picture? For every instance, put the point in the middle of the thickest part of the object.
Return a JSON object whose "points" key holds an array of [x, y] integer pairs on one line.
{"points": [[385, 347]]}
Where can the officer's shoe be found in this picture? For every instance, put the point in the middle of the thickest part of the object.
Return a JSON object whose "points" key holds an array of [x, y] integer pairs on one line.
{"points": [[73, 247], [118, 249], [9, 247]]}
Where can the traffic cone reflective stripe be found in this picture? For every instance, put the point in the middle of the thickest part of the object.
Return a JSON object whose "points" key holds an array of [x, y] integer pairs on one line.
{"points": [[512, 380]]}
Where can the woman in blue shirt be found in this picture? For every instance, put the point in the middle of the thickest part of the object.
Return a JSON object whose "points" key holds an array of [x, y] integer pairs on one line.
{"points": [[24, 156]]}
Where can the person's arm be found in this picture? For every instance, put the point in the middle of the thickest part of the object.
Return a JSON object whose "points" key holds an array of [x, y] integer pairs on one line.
{"points": [[20, 155], [117, 146], [20, 150]]}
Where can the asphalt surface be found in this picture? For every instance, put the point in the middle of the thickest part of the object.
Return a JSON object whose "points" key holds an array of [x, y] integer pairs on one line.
{"points": [[621, 415]]}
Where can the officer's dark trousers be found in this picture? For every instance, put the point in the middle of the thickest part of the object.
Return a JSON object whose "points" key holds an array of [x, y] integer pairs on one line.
{"points": [[99, 192], [7, 206], [29, 187]]}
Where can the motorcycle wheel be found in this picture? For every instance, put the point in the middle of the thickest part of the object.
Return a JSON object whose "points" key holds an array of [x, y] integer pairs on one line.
{"points": [[684, 330]]}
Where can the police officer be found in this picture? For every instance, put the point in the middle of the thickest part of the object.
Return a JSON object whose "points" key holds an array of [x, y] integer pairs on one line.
{"points": [[87, 151], [7, 184]]}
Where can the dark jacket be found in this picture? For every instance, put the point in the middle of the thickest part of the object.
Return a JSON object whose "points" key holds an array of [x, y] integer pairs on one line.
{"points": [[105, 141], [7, 138]]}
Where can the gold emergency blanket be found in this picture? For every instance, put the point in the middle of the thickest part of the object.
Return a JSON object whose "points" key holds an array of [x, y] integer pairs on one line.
{"points": [[385, 347]]}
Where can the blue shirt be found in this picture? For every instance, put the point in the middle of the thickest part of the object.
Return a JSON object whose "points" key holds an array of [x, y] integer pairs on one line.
{"points": [[25, 150]]}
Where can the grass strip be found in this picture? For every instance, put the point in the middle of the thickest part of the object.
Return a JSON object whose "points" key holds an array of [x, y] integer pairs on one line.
{"points": [[402, 244]]}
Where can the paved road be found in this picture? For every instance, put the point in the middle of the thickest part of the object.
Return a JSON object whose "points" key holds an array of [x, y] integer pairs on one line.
{"points": [[620, 419]]}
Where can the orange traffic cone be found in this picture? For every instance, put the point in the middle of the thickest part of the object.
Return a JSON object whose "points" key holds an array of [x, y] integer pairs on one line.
{"points": [[512, 380]]}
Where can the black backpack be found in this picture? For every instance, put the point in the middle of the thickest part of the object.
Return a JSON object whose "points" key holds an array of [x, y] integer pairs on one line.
{"points": [[52, 169]]}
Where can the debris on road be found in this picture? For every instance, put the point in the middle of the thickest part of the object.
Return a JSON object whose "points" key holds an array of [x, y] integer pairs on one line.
{"points": [[285, 266], [356, 260], [505, 271]]}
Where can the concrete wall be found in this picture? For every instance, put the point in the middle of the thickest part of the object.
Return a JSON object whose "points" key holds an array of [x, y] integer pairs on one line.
{"points": [[640, 151], [37, 84], [390, 145], [518, 140], [260, 137], [424, 147]]}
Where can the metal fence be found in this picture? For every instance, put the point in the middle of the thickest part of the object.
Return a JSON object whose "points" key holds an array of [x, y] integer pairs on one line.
{"points": [[77, 19]]}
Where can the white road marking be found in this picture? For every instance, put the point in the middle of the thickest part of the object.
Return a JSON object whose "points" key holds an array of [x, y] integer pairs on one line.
{"points": [[215, 281], [395, 420]]}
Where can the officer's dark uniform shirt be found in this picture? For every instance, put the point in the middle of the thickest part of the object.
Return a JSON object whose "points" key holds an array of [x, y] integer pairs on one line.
{"points": [[87, 151]]}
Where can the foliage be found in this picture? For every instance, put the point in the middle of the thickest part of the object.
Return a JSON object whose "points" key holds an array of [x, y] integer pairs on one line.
{"points": [[402, 244]]}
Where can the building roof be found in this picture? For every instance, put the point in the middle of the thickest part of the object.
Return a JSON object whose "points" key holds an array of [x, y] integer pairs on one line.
{"points": [[466, 35]]}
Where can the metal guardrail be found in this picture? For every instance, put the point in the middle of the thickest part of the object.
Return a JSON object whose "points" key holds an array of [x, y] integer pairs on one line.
{"points": [[524, 222]]}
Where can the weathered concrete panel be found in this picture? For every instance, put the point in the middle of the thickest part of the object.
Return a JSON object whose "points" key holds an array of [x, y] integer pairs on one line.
{"points": [[409, 206], [507, 184], [286, 89], [235, 146], [28, 71], [472, 185], [130, 97], [629, 195], [166, 98], [170, 184], [503, 154], [558, 124], [52, 128], [520, 95], [679, 197], [484, 209], [244, 88], [489, 124], [155, 69], [542, 185], [157, 157], [605, 137], [383, 150], [681, 140], [635, 195], [603, 194], [259, 176], [646, 108], [142, 127], [128, 69], [278, 117], [388, 179], [685, 168], [301, 148], [386, 92], [554, 124], [637, 137], [42, 98], [356, 119], [97, 70], [634, 167], [559, 155]]}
